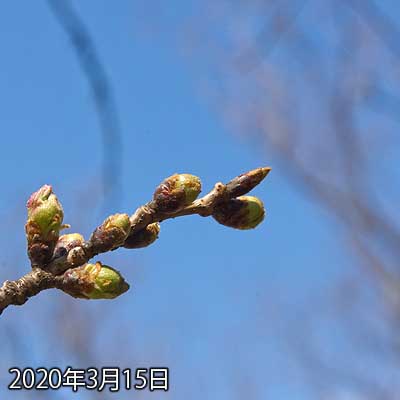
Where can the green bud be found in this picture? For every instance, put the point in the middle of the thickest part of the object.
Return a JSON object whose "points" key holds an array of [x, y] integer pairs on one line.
{"points": [[176, 192], [244, 212], [144, 237], [111, 234], [108, 282], [68, 242], [45, 217], [94, 281]]}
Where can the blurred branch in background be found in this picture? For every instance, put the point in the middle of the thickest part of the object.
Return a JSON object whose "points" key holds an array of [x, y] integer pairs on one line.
{"points": [[306, 80], [99, 82]]}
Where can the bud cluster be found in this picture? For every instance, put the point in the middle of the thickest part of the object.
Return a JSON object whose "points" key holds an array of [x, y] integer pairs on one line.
{"points": [[65, 257]]}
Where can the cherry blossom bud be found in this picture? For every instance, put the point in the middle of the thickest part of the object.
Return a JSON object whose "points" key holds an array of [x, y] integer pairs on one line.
{"points": [[244, 212], [176, 192], [94, 281], [111, 234], [67, 242], [45, 217], [144, 237]]}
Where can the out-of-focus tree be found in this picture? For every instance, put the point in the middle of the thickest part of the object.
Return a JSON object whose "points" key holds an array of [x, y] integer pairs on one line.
{"points": [[317, 84]]}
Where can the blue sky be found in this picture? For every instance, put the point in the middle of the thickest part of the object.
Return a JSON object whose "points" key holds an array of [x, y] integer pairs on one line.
{"points": [[207, 301]]}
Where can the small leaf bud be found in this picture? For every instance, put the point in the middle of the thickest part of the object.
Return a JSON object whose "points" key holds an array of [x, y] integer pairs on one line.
{"points": [[243, 183]]}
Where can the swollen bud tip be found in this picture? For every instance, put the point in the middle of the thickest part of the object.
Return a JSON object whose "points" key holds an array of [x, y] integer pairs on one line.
{"points": [[176, 192], [144, 237], [94, 281], [111, 234], [45, 217], [244, 212]]}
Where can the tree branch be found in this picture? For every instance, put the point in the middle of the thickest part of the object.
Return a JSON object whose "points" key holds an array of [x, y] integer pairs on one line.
{"points": [[99, 83], [19, 291], [57, 273]]}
